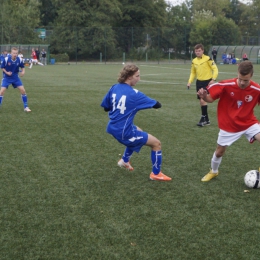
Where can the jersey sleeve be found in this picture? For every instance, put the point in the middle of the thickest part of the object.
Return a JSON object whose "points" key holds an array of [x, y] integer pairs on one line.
{"points": [[214, 68], [106, 102], [3, 64], [144, 102], [21, 63], [192, 73], [215, 90]]}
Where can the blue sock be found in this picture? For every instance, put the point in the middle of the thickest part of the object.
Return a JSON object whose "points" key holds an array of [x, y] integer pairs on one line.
{"points": [[127, 154], [24, 99], [156, 158], [1, 100]]}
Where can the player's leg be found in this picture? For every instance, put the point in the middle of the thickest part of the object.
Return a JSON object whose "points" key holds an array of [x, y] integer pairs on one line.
{"points": [[257, 137], [156, 158], [124, 162], [253, 133], [2, 92], [31, 64], [39, 63], [204, 120], [215, 163], [225, 139], [24, 98], [217, 158], [4, 86], [204, 113]]}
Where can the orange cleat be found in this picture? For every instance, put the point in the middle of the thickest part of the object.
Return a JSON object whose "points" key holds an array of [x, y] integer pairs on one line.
{"points": [[159, 177]]}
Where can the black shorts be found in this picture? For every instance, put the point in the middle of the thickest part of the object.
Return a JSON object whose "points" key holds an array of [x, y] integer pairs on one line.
{"points": [[202, 84]]}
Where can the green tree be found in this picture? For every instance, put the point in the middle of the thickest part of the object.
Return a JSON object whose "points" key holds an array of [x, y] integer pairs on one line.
{"points": [[210, 30], [225, 32], [48, 13], [249, 23], [139, 23], [220, 7], [18, 21], [84, 26], [179, 20]]}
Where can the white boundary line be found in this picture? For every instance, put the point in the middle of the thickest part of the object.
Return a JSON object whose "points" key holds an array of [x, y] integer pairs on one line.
{"points": [[228, 73], [157, 82]]}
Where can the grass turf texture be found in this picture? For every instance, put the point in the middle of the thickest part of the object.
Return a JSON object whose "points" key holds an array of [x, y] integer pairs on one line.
{"points": [[63, 196]]}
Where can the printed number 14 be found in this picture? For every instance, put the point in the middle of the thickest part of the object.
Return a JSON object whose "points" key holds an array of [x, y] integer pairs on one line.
{"points": [[121, 103]]}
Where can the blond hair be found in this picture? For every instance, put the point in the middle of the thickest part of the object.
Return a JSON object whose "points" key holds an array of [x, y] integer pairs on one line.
{"points": [[127, 71]]}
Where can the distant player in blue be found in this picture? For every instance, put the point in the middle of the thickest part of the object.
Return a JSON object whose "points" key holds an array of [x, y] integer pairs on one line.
{"points": [[2, 57], [10, 67], [123, 102]]}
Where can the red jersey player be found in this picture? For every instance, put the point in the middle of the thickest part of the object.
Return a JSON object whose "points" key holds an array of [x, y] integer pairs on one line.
{"points": [[34, 59], [237, 99]]}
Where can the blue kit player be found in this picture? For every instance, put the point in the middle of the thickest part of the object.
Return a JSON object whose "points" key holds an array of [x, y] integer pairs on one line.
{"points": [[10, 67], [123, 102]]}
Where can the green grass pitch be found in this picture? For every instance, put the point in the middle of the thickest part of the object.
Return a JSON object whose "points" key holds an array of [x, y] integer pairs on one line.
{"points": [[62, 195]]}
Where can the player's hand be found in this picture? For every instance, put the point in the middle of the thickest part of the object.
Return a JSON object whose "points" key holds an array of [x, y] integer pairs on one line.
{"points": [[202, 93], [9, 73]]}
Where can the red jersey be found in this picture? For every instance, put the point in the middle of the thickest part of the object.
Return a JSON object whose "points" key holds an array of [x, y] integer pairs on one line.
{"points": [[236, 105], [34, 55]]}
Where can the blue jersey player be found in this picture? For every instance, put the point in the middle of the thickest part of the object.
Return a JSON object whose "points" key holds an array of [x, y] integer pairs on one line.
{"points": [[123, 102], [10, 67]]}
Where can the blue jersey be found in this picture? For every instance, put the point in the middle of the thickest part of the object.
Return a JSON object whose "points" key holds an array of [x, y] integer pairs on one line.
{"points": [[123, 102], [2, 56], [9, 65]]}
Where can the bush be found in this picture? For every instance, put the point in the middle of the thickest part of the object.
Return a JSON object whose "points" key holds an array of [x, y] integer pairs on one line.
{"points": [[63, 57]]}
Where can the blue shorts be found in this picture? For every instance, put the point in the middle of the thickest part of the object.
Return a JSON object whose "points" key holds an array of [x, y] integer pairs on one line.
{"points": [[136, 142], [16, 82]]}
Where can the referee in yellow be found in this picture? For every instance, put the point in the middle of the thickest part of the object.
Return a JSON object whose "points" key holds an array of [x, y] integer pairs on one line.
{"points": [[206, 71]]}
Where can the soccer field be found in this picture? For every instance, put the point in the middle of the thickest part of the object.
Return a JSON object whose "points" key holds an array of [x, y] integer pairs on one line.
{"points": [[63, 196]]}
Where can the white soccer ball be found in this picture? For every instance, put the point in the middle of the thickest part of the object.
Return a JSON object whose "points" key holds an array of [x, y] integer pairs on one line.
{"points": [[123, 63], [252, 179]]}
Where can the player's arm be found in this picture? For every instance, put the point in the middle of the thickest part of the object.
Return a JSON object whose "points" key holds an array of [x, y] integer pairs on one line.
{"points": [[203, 93], [9, 73], [106, 102], [214, 68], [157, 105], [192, 75], [22, 71]]}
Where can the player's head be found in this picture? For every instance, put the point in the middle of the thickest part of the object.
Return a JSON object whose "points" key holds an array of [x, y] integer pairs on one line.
{"points": [[14, 52], [245, 68], [129, 74], [245, 73], [199, 50]]}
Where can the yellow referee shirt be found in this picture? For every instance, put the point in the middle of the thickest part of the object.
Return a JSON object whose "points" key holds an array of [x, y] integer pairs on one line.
{"points": [[203, 68]]}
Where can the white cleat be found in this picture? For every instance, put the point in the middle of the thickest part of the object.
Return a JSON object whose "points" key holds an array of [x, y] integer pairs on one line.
{"points": [[127, 166], [27, 109]]}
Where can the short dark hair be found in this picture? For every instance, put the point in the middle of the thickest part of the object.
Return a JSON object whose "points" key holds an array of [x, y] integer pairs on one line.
{"points": [[245, 68], [199, 46], [128, 71]]}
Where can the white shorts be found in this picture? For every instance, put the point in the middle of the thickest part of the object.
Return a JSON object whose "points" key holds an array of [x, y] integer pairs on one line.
{"points": [[227, 138]]}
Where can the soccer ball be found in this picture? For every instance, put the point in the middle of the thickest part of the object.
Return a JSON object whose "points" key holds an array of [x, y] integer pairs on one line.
{"points": [[252, 179]]}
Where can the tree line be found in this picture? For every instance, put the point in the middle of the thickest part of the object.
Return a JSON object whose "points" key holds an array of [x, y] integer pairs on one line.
{"points": [[91, 27]]}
